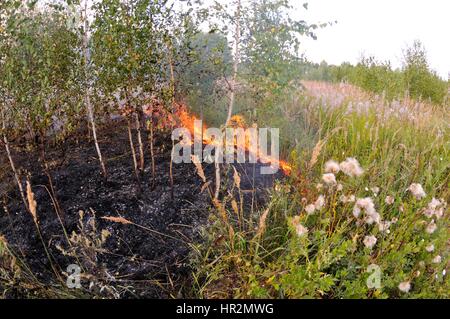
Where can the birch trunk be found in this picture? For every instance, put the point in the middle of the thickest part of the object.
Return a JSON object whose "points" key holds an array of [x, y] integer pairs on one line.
{"points": [[237, 35], [87, 98], [152, 151], [11, 162], [172, 91], [133, 154], [140, 144]]}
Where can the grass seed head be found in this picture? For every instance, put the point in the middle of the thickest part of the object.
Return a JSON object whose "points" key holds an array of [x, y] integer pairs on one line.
{"points": [[119, 220], [32, 205]]}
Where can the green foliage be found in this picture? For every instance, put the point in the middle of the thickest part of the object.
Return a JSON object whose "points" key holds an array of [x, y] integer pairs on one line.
{"points": [[268, 43], [125, 45], [419, 79], [377, 77], [40, 65], [271, 49], [319, 71], [200, 80]]}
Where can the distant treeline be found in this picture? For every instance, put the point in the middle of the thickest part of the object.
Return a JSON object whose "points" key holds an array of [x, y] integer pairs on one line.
{"points": [[415, 78]]}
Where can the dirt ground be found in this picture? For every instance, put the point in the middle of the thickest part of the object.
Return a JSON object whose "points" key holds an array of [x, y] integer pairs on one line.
{"points": [[153, 259]]}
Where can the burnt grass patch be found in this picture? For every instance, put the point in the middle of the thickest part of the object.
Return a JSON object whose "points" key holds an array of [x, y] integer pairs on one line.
{"points": [[147, 261]]}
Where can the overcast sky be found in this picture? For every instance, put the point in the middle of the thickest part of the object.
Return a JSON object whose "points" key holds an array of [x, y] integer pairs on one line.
{"points": [[381, 28]]}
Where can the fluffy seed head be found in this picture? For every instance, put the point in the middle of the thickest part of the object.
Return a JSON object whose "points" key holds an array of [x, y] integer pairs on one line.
{"points": [[332, 167], [384, 226], [389, 200], [417, 191], [310, 209], [329, 178], [320, 202], [431, 228], [437, 259], [351, 167], [370, 241], [300, 230], [405, 286], [347, 199]]}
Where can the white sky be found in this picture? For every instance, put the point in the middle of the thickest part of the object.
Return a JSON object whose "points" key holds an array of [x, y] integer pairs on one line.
{"points": [[381, 28]]}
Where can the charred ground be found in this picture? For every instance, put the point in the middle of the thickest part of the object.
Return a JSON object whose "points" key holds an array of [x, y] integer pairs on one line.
{"points": [[151, 262]]}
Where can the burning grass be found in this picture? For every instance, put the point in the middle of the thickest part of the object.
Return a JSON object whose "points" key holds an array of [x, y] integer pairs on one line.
{"points": [[191, 122]]}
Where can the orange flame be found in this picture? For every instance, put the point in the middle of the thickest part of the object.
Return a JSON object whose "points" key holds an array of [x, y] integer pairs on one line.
{"points": [[187, 120]]}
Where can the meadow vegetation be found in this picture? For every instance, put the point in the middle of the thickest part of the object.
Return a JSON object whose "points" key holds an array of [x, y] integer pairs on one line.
{"points": [[362, 213], [353, 201]]}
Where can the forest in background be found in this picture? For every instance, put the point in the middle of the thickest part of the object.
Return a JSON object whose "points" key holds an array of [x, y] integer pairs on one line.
{"points": [[414, 79]]}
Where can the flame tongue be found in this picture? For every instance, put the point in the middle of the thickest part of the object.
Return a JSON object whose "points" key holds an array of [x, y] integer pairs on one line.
{"points": [[188, 121]]}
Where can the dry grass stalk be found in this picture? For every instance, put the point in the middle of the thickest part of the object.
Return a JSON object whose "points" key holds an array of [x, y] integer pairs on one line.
{"points": [[3, 241], [316, 152], [235, 206], [199, 167], [237, 178], [119, 220], [32, 205], [262, 223], [205, 186], [221, 210]]}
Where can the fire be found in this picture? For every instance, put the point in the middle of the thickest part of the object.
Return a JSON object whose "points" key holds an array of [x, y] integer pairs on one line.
{"points": [[187, 120], [237, 121]]}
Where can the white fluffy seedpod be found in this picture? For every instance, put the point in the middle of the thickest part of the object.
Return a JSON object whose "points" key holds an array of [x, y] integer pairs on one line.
{"points": [[351, 167], [332, 167], [310, 209], [347, 199], [375, 190], [431, 228], [320, 202], [404, 286], [383, 226], [389, 200], [329, 178], [300, 230], [370, 241], [417, 191], [437, 259], [372, 217], [434, 208], [356, 211]]}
